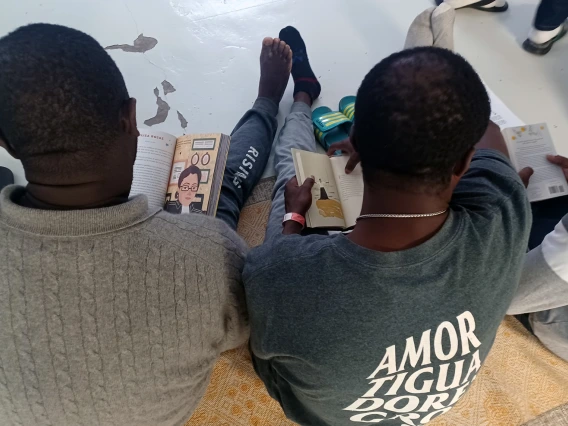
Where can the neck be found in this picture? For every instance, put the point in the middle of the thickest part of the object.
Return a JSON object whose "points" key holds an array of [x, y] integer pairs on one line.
{"points": [[394, 234], [81, 196]]}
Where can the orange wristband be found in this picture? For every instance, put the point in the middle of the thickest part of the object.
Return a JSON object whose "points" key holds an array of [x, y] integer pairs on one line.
{"points": [[296, 218]]}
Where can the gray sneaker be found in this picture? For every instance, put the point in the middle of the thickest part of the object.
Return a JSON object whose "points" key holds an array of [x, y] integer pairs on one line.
{"points": [[543, 48], [481, 5]]}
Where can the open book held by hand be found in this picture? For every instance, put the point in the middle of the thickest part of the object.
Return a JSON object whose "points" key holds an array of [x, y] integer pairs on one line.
{"points": [[337, 197], [528, 147], [181, 175]]}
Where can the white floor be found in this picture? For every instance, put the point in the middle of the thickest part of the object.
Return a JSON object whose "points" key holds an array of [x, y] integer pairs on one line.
{"points": [[208, 50]]}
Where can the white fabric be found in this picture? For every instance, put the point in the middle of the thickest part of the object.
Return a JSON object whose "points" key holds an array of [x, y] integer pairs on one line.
{"points": [[540, 37], [496, 3], [185, 209], [456, 4], [463, 3], [444, 7], [540, 288], [433, 27], [555, 251]]}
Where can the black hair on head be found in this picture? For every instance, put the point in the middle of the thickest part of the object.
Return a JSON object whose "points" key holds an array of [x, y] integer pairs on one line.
{"points": [[418, 113], [191, 170], [61, 96]]}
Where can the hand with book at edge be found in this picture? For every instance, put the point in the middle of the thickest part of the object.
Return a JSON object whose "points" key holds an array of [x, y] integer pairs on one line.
{"points": [[346, 147], [298, 199], [560, 161]]}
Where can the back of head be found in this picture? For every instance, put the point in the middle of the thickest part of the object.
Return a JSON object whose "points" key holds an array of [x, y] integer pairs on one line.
{"points": [[61, 96], [418, 113]]}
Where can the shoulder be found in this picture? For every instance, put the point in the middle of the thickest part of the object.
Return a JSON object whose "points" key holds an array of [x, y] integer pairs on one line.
{"points": [[283, 251], [493, 202], [195, 232], [488, 164], [491, 184]]}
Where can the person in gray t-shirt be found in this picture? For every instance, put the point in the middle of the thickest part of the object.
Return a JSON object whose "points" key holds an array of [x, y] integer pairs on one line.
{"points": [[391, 323]]}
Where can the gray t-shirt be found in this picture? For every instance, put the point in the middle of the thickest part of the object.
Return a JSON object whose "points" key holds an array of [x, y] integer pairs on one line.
{"points": [[345, 335]]}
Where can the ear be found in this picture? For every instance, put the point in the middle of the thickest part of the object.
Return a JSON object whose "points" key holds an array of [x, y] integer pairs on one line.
{"points": [[177, 195], [128, 118], [463, 165], [4, 144]]}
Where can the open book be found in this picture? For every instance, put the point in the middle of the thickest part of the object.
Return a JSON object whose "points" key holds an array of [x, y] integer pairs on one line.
{"points": [[337, 196], [528, 147], [182, 175]]}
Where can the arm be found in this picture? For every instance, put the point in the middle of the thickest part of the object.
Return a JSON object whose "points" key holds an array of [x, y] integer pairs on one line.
{"points": [[298, 200], [493, 139], [544, 282]]}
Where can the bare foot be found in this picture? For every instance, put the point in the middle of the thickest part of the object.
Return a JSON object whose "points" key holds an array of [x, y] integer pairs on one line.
{"points": [[275, 68]]}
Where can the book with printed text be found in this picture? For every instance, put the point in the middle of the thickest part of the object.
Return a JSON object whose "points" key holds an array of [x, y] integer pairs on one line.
{"points": [[337, 196], [528, 147], [181, 175]]}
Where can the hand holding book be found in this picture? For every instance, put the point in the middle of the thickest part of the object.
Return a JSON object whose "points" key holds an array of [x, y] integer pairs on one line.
{"points": [[560, 161], [347, 148]]}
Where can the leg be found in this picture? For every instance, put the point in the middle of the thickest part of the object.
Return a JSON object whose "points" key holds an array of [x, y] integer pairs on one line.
{"points": [[251, 141], [298, 132], [546, 215], [433, 27], [551, 327], [548, 26], [551, 14]]}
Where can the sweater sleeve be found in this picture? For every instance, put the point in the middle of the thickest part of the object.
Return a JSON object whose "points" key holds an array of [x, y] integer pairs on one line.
{"points": [[235, 317], [544, 282]]}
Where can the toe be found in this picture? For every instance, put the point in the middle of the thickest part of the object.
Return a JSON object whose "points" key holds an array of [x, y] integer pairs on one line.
{"points": [[276, 45], [267, 42], [281, 47], [286, 52]]}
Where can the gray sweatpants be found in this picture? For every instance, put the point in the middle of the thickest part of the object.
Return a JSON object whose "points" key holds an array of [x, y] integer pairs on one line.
{"points": [[298, 132], [251, 143], [551, 327]]}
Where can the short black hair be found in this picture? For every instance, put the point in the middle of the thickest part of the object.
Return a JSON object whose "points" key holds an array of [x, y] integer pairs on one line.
{"points": [[418, 112], [191, 170], [61, 95]]}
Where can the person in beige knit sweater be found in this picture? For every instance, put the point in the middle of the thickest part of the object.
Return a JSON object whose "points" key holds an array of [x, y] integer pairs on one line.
{"points": [[111, 313]]}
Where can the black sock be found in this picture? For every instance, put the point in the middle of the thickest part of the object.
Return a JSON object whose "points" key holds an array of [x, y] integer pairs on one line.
{"points": [[304, 78]]}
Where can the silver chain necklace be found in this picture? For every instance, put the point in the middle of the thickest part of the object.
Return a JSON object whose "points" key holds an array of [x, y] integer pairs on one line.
{"points": [[400, 216]]}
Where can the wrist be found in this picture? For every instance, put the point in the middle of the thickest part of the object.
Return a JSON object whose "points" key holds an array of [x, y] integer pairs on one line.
{"points": [[293, 223], [291, 228]]}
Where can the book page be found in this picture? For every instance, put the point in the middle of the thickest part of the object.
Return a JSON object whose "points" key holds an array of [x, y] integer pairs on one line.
{"points": [[196, 173], [529, 146], [326, 211], [350, 187], [153, 165], [500, 113]]}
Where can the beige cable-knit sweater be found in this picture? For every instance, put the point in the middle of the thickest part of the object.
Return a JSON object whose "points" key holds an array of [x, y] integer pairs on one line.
{"points": [[113, 316]]}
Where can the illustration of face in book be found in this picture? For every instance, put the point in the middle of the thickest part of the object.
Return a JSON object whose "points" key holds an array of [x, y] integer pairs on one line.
{"points": [[187, 200], [328, 207]]}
